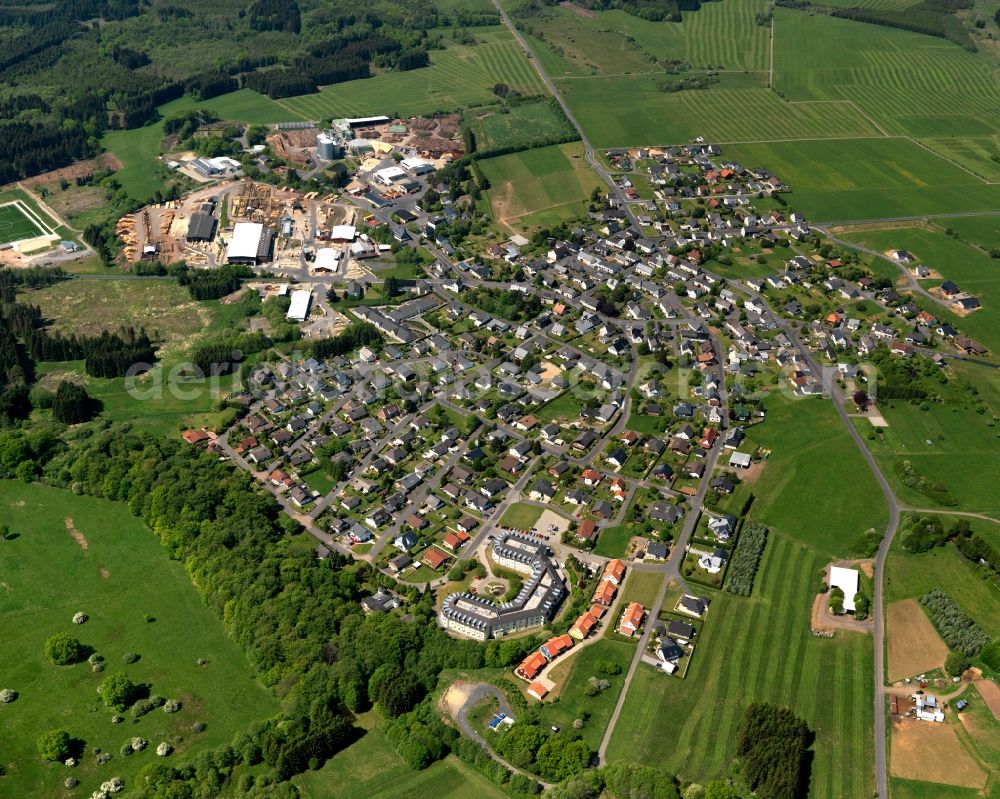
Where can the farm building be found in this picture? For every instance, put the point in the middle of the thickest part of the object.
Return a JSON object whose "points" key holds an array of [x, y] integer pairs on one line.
{"points": [[250, 244], [299, 309], [847, 581]]}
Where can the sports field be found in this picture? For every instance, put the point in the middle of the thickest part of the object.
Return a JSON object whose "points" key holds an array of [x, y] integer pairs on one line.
{"points": [[18, 222], [540, 187], [72, 554], [689, 726], [458, 77]]}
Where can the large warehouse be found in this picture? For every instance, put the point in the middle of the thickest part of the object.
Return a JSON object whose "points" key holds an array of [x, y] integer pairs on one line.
{"points": [[250, 244], [299, 309]]}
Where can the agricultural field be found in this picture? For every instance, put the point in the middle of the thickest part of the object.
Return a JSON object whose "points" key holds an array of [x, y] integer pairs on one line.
{"points": [[540, 187], [967, 265], [914, 645], [632, 110], [458, 77], [689, 726], [888, 178], [518, 126], [72, 554], [815, 464], [909, 83], [371, 769]]}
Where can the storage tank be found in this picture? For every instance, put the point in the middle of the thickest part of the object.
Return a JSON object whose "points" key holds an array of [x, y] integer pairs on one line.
{"points": [[327, 147]]}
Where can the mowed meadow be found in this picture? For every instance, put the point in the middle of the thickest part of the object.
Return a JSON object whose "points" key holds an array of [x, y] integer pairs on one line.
{"points": [[70, 554]]}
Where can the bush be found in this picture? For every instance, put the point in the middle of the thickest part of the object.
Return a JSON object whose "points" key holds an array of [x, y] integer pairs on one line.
{"points": [[746, 559], [171, 706], [991, 654], [603, 666], [53, 745], [117, 691], [64, 650], [958, 631], [8, 695], [956, 663], [130, 657]]}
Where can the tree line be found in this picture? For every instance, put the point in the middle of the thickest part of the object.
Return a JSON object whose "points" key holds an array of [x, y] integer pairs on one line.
{"points": [[772, 745]]}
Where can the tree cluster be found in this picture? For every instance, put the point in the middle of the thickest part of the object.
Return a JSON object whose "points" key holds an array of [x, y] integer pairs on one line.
{"points": [[957, 630], [773, 749], [746, 558]]}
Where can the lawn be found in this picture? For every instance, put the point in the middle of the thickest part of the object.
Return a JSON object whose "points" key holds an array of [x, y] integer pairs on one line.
{"points": [[574, 702], [886, 177], [564, 408], [642, 587], [915, 789], [539, 187], [815, 486], [371, 769], [458, 77], [613, 541], [121, 576], [521, 516], [759, 649]]}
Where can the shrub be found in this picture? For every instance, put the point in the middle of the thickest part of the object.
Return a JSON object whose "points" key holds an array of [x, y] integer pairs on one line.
{"points": [[604, 666], [746, 559], [80, 618], [53, 745], [171, 706], [117, 691], [958, 631], [138, 744], [956, 663], [164, 749], [130, 657], [64, 650], [8, 695], [991, 654]]}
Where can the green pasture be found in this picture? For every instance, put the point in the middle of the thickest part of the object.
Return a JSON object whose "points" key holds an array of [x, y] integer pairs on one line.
{"points": [[371, 769], [875, 178], [532, 186], [815, 486], [910, 576], [119, 578], [459, 76], [518, 126], [689, 726], [632, 110]]}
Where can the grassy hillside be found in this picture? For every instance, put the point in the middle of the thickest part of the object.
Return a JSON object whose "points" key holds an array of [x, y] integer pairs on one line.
{"points": [[77, 554]]}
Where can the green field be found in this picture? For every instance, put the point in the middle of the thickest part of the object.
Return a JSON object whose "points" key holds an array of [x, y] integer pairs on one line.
{"points": [[540, 187], [887, 178], [642, 587], [911, 84], [759, 649], [521, 516], [915, 789], [519, 126], [16, 225], [573, 701], [371, 769], [968, 266], [458, 77], [814, 465], [163, 399], [613, 541], [631, 110], [911, 576], [46, 577]]}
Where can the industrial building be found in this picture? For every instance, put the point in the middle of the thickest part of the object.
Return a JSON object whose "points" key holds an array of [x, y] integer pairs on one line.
{"points": [[417, 166], [251, 244], [222, 166], [343, 233], [537, 602], [390, 175], [328, 147], [201, 225], [299, 309]]}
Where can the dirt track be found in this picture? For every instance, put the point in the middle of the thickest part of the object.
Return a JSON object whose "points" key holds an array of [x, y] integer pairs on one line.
{"points": [[77, 535]]}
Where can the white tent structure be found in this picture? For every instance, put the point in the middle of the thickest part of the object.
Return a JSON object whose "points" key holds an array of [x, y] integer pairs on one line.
{"points": [[847, 581]]}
